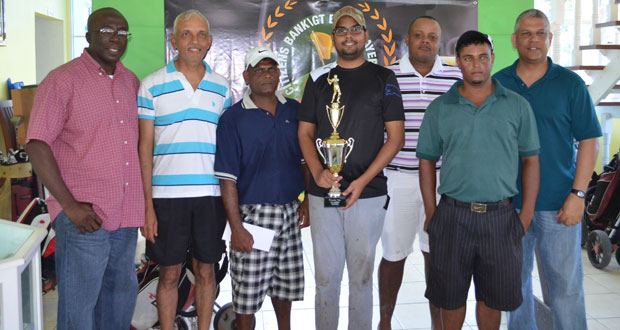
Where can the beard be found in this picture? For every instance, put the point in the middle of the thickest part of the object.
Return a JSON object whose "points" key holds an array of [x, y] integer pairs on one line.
{"points": [[479, 81], [351, 53]]}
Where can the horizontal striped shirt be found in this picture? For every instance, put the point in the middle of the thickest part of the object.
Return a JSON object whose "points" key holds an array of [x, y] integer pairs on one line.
{"points": [[418, 92], [185, 130]]}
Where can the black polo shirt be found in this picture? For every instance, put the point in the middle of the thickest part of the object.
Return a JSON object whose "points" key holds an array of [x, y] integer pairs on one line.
{"points": [[371, 96]]}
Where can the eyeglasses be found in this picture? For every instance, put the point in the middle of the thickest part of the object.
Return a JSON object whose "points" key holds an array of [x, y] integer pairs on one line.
{"points": [[342, 31], [108, 32]]}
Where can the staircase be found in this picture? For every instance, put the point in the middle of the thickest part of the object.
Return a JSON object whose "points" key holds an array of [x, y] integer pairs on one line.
{"points": [[602, 70]]}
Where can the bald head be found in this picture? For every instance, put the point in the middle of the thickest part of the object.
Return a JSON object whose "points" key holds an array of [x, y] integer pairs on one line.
{"points": [[424, 17], [97, 14]]}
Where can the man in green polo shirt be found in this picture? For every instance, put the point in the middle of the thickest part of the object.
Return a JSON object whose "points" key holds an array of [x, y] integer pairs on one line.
{"points": [[483, 131]]}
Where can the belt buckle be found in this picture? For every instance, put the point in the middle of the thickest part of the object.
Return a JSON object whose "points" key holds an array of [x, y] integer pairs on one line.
{"points": [[478, 207]]}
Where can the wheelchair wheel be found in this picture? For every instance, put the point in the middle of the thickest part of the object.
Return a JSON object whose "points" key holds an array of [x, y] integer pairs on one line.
{"points": [[598, 247], [618, 256], [182, 323], [225, 319]]}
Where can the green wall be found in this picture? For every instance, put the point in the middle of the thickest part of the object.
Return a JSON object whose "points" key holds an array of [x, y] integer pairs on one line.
{"points": [[497, 18], [145, 51]]}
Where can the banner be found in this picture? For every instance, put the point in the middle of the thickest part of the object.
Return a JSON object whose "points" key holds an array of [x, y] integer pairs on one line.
{"points": [[299, 32]]}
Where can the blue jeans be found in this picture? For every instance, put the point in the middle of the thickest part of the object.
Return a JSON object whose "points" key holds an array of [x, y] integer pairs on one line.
{"points": [[97, 283], [560, 253]]}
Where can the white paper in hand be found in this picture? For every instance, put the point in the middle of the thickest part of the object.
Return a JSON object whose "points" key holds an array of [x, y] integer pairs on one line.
{"points": [[262, 236]]}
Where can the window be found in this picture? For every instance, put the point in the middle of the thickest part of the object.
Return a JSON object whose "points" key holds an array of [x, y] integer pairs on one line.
{"points": [[80, 10]]}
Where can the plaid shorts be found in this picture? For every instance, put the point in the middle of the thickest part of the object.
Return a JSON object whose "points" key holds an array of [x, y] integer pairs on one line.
{"points": [[278, 273]]}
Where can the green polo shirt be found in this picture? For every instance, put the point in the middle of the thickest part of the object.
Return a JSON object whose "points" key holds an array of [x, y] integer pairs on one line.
{"points": [[480, 146], [564, 113]]}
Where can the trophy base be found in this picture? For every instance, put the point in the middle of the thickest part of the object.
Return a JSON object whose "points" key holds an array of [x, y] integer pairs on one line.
{"points": [[338, 201]]}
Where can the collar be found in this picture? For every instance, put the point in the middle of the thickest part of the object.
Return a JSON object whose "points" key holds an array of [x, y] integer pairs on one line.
{"points": [[405, 66], [170, 68], [454, 97], [247, 102], [93, 65], [551, 70]]}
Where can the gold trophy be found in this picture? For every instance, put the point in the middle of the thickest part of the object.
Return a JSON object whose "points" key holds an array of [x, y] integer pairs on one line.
{"points": [[334, 150]]}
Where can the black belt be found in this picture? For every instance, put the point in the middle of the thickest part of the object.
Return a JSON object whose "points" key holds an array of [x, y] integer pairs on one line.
{"points": [[478, 207]]}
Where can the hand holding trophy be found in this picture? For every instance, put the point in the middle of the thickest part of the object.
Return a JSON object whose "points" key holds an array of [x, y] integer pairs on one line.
{"points": [[334, 150]]}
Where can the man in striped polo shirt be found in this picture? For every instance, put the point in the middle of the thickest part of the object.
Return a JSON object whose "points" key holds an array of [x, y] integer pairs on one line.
{"points": [[422, 77], [179, 108]]}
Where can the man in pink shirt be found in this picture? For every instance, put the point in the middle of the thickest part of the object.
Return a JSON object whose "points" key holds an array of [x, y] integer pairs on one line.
{"points": [[83, 142]]}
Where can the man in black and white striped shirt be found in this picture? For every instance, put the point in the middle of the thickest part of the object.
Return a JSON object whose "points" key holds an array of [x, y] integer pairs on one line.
{"points": [[422, 77]]}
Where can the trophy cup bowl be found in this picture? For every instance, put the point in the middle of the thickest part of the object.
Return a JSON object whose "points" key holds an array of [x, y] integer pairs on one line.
{"points": [[335, 152]]}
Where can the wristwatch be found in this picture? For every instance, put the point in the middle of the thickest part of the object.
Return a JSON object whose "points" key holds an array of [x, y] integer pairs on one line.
{"points": [[579, 193]]}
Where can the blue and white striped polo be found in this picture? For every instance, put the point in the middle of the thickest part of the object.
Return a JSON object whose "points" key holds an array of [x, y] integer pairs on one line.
{"points": [[418, 92], [185, 129]]}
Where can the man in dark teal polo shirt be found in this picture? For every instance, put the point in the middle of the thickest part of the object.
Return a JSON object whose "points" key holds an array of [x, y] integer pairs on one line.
{"points": [[483, 131], [564, 114]]}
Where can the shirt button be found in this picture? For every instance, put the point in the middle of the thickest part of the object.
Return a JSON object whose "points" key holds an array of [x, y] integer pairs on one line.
{"points": [[100, 73], [127, 163], [126, 183], [122, 121], [125, 142], [117, 101]]}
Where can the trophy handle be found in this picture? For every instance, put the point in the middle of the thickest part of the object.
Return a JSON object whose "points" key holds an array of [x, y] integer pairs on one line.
{"points": [[319, 144], [350, 142]]}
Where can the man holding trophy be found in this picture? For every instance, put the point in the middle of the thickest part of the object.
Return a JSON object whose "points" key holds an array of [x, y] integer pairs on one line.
{"points": [[344, 112]]}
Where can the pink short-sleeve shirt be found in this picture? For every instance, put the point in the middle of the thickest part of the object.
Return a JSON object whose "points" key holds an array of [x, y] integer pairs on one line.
{"points": [[90, 122]]}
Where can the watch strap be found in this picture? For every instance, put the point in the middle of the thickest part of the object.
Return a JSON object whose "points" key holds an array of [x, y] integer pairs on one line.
{"points": [[579, 193]]}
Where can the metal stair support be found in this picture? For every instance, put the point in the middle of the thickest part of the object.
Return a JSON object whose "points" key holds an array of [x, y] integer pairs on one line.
{"points": [[607, 113], [604, 80], [577, 60]]}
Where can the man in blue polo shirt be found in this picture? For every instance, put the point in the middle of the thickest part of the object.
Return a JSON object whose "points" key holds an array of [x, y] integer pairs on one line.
{"points": [[564, 114], [483, 131], [259, 164]]}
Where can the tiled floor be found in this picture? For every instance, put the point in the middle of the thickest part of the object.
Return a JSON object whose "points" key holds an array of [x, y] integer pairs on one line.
{"points": [[602, 288]]}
